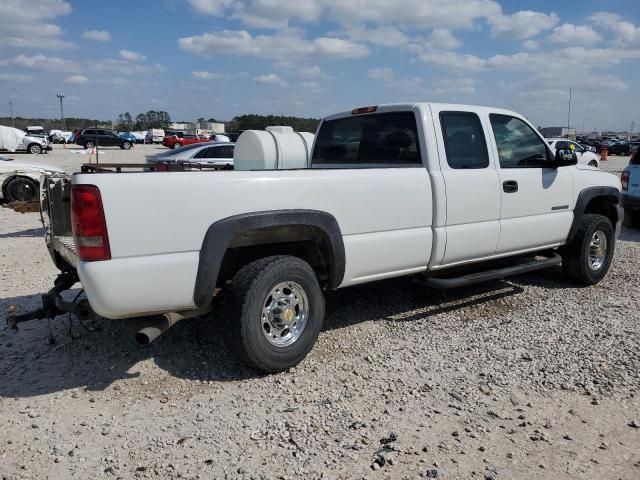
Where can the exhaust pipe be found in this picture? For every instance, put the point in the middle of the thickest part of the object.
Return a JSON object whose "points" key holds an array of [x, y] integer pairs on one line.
{"points": [[168, 320]]}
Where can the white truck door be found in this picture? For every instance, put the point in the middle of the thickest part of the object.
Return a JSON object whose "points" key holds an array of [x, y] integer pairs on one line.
{"points": [[471, 185], [537, 200]]}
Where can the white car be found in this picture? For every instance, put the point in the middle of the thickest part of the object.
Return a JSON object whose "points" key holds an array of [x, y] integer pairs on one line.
{"points": [[20, 180], [585, 157], [209, 153], [439, 191]]}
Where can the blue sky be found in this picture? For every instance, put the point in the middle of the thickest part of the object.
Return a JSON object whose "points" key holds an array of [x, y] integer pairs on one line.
{"points": [[221, 58]]}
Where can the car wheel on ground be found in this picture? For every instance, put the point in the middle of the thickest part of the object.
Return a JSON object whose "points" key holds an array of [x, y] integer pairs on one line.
{"points": [[126, 145], [35, 149], [587, 258], [274, 312], [177, 145], [593, 163], [88, 145], [22, 189]]}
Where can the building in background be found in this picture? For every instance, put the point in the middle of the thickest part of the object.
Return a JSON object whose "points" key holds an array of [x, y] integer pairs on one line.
{"points": [[555, 132]]}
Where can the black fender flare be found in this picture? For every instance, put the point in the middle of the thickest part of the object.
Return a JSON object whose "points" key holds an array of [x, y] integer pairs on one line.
{"points": [[610, 193], [221, 233]]}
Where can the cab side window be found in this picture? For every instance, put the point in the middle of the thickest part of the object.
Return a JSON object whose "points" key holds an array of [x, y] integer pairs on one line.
{"points": [[464, 140], [518, 145]]}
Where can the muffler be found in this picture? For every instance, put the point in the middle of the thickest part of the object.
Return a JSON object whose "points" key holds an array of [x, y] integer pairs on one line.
{"points": [[168, 320]]}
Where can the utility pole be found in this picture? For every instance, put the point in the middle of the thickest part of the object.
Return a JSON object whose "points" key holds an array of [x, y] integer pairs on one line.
{"points": [[569, 114], [11, 110], [61, 96]]}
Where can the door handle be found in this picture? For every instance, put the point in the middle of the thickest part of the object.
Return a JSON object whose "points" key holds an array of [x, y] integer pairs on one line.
{"points": [[510, 186]]}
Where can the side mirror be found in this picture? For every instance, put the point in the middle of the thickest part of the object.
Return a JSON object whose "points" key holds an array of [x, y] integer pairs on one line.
{"points": [[565, 157]]}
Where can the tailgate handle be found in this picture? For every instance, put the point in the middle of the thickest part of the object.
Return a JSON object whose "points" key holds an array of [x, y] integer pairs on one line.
{"points": [[510, 186]]}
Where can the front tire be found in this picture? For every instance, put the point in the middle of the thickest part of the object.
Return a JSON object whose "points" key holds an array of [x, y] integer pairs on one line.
{"points": [[126, 145], [274, 313], [89, 145], [593, 163], [177, 145], [22, 189], [587, 259]]}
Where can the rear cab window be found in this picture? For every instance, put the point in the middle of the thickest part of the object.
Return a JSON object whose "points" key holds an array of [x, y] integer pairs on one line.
{"points": [[379, 140], [464, 140]]}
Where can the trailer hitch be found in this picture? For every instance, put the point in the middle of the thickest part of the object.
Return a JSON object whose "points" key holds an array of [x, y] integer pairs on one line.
{"points": [[52, 303]]}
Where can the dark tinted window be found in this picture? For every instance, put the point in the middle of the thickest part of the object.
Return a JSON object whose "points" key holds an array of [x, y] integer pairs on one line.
{"points": [[383, 140], [518, 145], [464, 140], [89, 132], [561, 145], [216, 152]]}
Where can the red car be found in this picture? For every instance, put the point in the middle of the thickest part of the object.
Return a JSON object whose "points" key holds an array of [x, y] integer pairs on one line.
{"points": [[174, 141]]}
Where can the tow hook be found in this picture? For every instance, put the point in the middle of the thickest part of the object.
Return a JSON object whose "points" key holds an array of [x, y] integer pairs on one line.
{"points": [[52, 303]]}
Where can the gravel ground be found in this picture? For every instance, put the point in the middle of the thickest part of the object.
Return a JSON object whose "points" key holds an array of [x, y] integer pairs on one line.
{"points": [[519, 379]]}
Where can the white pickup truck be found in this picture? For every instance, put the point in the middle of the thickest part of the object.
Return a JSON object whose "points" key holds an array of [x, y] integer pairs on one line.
{"points": [[456, 194]]}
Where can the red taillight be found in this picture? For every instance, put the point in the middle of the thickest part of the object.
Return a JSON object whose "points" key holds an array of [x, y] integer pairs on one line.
{"points": [[361, 110], [88, 223], [625, 181]]}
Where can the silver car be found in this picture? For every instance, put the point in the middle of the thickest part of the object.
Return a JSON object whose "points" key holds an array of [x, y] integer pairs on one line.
{"points": [[209, 153]]}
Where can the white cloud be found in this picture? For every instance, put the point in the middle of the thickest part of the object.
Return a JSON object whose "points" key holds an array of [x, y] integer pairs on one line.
{"points": [[381, 73], [131, 56], [410, 13], [97, 35], [531, 44], [201, 75], [626, 33], [570, 34], [210, 7], [312, 72], [26, 24], [44, 63], [441, 38], [286, 44], [15, 77], [311, 85], [455, 87], [275, 13], [79, 79], [521, 25], [385, 36], [271, 79]]}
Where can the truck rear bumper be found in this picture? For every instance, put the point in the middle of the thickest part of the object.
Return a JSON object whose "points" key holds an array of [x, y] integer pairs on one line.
{"points": [[139, 286]]}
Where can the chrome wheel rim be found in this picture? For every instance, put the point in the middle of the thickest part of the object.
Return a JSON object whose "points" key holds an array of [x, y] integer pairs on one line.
{"points": [[597, 250], [284, 314]]}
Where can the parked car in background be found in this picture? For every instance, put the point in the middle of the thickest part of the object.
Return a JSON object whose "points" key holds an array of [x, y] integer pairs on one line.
{"points": [[619, 148], [90, 137], [15, 140], [154, 135], [585, 157], [630, 199], [588, 147], [634, 146], [20, 180], [209, 153], [128, 136], [174, 141]]}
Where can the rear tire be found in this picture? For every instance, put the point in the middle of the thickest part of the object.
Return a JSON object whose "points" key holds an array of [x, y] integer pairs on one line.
{"points": [[274, 313], [34, 149], [22, 189], [587, 259], [89, 145], [126, 145], [593, 163]]}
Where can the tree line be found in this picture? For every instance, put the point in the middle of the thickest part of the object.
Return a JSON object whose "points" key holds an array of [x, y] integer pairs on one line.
{"points": [[49, 124], [259, 122], [143, 121]]}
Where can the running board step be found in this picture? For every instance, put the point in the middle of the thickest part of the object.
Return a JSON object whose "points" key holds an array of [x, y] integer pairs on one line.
{"points": [[494, 274]]}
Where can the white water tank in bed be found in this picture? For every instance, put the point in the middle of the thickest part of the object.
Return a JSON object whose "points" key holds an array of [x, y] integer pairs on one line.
{"points": [[276, 148]]}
